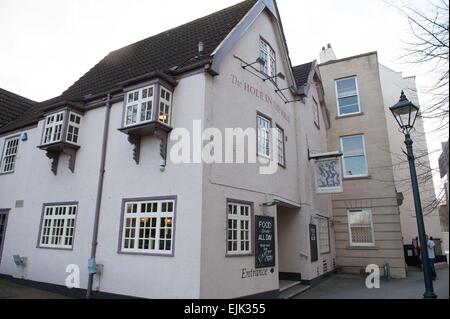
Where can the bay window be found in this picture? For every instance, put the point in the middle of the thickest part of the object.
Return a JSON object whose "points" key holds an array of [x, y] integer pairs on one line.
{"points": [[354, 159], [73, 128], [239, 229], [360, 224], [139, 106], [347, 96], [148, 226], [164, 106], [8, 159], [53, 129]]}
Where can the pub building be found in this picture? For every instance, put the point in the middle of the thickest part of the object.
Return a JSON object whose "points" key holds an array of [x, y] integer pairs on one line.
{"points": [[87, 178]]}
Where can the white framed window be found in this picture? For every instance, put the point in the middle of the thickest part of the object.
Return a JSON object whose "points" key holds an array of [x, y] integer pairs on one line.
{"points": [[264, 126], [239, 229], [148, 227], [139, 106], [8, 160], [316, 113], [347, 96], [354, 159], [360, 225], [281, 146], [267, 54], [73, 128], [324, 235], [58, 226], [165, 106], [53, 129]]}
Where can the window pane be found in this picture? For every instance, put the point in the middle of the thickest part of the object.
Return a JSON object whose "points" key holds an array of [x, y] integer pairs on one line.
{"points": [[353, 145], [355, 166], [346, 87], [348, 105]]}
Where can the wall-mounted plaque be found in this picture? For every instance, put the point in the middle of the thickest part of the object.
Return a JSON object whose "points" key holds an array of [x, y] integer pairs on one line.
{"points": [[265, 242], [328, 176]]}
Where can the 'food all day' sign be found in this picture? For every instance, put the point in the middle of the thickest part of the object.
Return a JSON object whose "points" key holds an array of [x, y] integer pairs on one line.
{"points": [[265, 242]]}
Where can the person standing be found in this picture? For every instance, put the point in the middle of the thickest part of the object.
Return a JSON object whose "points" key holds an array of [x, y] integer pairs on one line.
{"points": [[431, 256]]}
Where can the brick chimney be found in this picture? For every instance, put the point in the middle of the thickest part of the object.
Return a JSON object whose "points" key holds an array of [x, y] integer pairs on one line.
{"points": [[327, 54]]}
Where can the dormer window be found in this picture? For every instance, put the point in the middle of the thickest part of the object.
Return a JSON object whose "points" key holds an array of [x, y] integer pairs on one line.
{"points": [[61, 135], [148, 111]]}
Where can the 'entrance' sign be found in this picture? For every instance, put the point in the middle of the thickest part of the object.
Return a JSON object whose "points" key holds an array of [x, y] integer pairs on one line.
{"points": [[265, 242]]}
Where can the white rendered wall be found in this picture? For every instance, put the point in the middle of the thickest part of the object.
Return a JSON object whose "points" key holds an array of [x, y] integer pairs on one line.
{"points": [[34, 183], [392, 84]]}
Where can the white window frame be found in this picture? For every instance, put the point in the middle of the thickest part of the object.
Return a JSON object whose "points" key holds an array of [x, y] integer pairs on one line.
{"points": [[139, 105], [75, 127], [165, 106], [10, 151], [316, 113], [346, 96], [66, 216], [54, 127], [264, 150], [242, 214], [134, 234], [350, 236], [324, 235], [268, 55], [344, 157], [281, 144]]}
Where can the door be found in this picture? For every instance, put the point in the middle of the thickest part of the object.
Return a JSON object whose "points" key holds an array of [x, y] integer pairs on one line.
{"points": [[3, 222]]}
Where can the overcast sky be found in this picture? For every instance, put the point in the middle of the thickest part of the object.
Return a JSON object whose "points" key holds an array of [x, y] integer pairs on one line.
{"points": [[46, 45]]}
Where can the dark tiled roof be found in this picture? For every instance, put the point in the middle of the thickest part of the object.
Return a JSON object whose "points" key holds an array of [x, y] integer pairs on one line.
{"points": [[177, 47], [12, 106], [301, 73]]}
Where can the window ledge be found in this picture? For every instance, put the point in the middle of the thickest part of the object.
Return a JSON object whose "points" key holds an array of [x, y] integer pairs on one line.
{"points": [[339, 117], [239, 255], [363, 248], [357, 178], [7, 173]]}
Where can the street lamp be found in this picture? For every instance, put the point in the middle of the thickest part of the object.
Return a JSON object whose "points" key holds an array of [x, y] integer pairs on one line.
{"points": [[405, 112]]}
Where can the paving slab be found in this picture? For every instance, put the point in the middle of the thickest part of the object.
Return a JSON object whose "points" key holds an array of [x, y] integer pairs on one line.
{"points": [[342, 286]]}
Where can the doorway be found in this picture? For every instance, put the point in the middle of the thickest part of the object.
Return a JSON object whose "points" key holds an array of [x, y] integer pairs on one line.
{"points": [[3, 222]]}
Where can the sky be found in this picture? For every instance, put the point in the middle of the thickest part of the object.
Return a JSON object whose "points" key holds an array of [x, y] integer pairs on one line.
{"points": [[46, 45]]}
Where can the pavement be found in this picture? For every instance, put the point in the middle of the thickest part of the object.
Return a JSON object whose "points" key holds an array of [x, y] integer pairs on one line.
{"points": [[10, 290], [339, 286], [342, 286]]}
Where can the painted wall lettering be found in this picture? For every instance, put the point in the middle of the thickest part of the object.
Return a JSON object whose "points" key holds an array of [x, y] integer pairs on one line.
{"points": [[260, 95]]}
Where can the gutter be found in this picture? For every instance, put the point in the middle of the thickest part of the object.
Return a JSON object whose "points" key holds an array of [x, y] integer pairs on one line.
{"points": [[99, 192]]}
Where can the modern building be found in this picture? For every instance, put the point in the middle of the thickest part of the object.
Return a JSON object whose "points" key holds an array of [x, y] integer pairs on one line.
{"points": [[102, 173], [358, 92]]}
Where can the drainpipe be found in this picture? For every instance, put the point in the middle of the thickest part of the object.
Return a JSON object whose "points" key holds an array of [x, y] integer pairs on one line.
{"points": [[99, 192]]}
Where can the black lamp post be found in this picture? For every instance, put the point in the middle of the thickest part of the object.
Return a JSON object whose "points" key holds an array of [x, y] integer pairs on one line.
{"points": [[405, 112]]}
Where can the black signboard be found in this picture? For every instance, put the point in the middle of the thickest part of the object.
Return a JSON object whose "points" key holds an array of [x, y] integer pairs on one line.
{"points": [[265, 242], [313, 242]]}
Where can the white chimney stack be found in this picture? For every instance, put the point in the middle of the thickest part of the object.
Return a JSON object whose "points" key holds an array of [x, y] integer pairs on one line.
{"points": [[327, 54]]}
